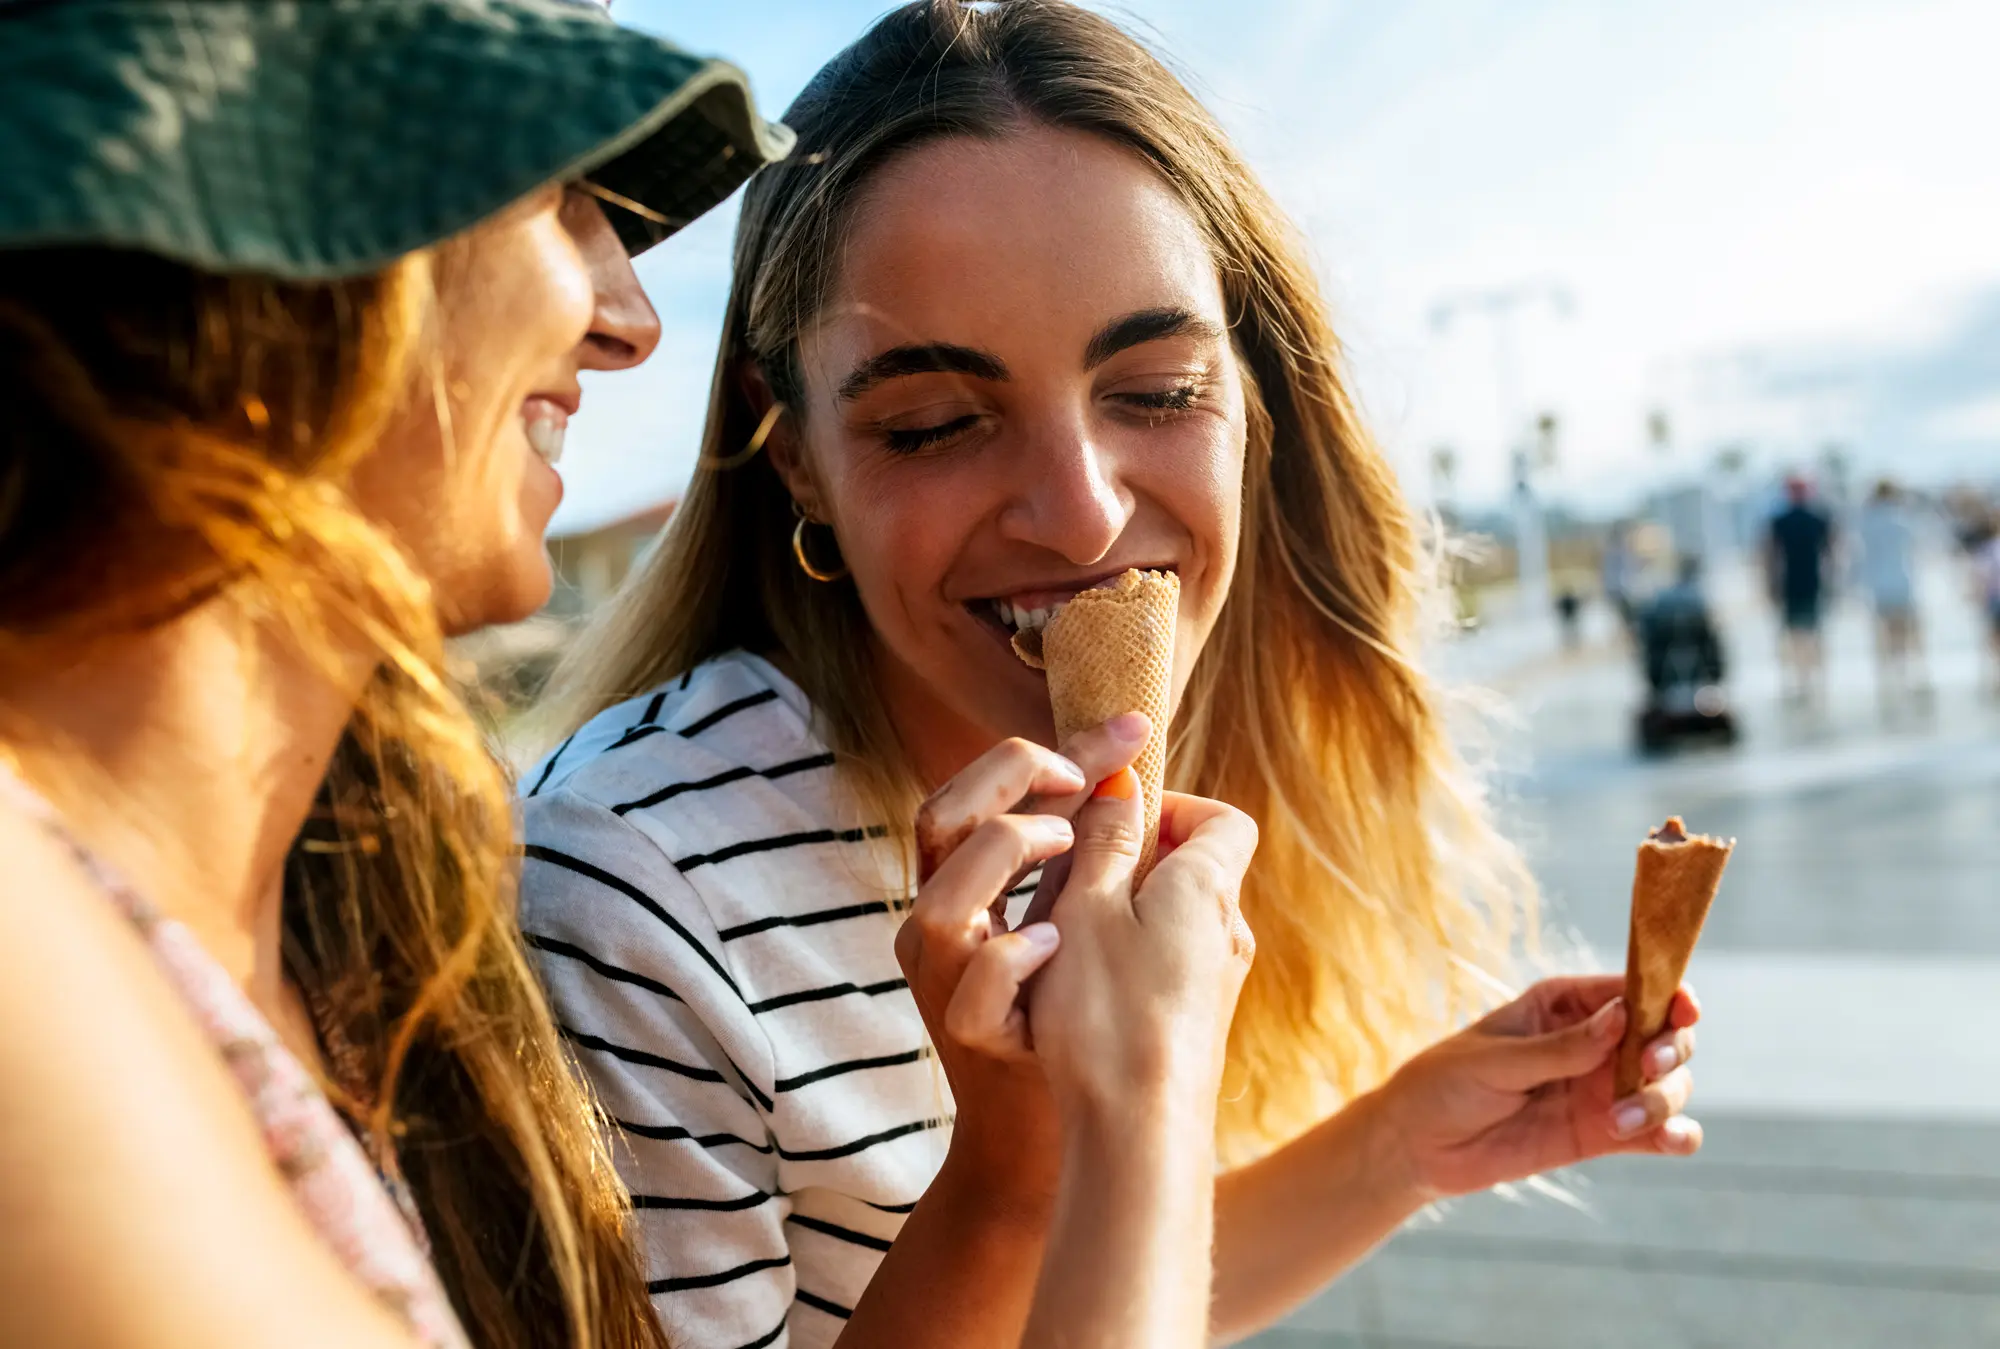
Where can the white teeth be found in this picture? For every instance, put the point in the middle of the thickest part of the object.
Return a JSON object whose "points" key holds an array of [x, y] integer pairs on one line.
{"points": [[545, 438], [1021, 619]]}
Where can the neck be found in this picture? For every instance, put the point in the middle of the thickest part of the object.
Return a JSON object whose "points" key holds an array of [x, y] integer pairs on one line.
{"points": [[187, 757], [938, 740]]}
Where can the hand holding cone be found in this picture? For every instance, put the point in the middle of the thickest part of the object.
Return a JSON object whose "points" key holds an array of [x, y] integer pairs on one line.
{"points": [[1108, 652], [1676, 882]]}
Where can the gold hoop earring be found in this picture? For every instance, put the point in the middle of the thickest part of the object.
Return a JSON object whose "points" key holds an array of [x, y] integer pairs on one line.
{"points": [[799, 552]]}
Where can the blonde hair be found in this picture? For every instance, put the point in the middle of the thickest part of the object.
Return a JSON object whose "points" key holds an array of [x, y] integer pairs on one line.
{"points": [[1386, 906], [187, 438]]}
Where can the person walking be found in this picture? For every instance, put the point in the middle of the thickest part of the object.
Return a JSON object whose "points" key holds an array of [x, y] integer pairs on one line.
{"points": [[1985, 554], [1619, 574], [1885, 565], [1796, 548]]}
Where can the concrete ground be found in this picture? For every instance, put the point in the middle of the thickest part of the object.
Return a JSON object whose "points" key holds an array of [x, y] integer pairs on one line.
{"points": [[1849, 1069]]}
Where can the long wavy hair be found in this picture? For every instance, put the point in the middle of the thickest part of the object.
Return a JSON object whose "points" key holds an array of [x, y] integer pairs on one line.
{"points": [[178, 438], [1386, 906]]}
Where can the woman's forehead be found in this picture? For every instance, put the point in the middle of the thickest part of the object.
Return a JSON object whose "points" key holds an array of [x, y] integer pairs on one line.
{"points": [[1043, 226]]}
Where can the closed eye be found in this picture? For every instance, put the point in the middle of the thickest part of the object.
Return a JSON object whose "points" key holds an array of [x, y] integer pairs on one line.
{"points": [[1167, 399], [908, 440], [1162, 400]]}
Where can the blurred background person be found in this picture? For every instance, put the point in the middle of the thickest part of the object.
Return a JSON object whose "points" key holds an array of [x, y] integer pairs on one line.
{"points": [[1985, 554], [1798, 544], [1885, 564], [1569, 616], [1682, 656], [1620, 573]]}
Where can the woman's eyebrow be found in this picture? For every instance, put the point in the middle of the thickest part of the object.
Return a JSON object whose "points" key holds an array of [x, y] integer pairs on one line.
{"points": [[1145, 325], [921, 358]]}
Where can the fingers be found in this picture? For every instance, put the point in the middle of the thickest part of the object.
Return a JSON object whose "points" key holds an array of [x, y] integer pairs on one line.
{"points": [[1208, 834], [985, 1012], [952, 914], [1652, 1105], [1524, 1062], [1218, 843], [1685, 1009], [1100, 752], [1678, 1137], [1666, 1053], [992, 785], [1181, 815], [1552, 1004], [1054, 877], [1110, 829]]}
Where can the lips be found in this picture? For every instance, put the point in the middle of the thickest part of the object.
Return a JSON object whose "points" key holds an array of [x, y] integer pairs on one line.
{"points": [[547, 422]]}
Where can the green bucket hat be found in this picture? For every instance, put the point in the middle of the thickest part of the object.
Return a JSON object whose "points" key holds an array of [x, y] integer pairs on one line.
{"points": [[315, 139]]}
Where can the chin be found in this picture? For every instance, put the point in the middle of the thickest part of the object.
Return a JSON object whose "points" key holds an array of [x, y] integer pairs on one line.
{"points": [[1017, 708], [518, 594]]}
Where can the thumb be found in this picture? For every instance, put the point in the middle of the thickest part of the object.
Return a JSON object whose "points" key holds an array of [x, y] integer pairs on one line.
{"points": [[1522, 1063], [1109, 832]]}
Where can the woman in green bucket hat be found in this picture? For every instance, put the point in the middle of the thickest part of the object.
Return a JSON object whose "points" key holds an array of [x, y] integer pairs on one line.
{"points": [[293, 299]]}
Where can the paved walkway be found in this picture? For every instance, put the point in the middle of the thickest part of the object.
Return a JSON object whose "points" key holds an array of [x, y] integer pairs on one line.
{"points": [[1849, 1074]]}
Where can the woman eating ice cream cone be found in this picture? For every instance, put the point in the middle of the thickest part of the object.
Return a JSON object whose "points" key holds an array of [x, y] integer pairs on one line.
{"points": [[1017, 320]]}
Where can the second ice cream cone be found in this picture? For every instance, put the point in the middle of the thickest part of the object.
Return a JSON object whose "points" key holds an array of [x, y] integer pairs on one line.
{"points": [[1676, 881]]}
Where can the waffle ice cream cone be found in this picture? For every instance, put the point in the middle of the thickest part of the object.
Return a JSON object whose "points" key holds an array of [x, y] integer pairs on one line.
{"points": [[1675, 883], [1108, 652]]}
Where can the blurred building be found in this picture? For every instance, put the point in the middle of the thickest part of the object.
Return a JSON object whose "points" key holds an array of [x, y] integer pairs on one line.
{"points": [[592, 563], [510, 664]]}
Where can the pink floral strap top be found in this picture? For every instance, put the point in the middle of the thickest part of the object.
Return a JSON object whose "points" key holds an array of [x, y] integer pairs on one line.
{"points": [[346, 1200]]}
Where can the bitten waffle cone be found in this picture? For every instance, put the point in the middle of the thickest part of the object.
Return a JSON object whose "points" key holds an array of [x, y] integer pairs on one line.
{"points": [[1108, 652], [1676, 882]]}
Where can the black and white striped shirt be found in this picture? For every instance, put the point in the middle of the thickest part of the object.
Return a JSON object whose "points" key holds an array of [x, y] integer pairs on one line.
{"points": [[716, 933]]}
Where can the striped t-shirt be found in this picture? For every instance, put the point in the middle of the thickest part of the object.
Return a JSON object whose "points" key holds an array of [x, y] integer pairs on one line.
{"points": [[716, 933]]}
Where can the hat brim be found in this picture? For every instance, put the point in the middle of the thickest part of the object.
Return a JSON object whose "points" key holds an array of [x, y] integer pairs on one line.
{"points": [[322, 140]]}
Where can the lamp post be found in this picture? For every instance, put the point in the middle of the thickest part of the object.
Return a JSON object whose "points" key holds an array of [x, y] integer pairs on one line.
{"points": [[1499, 307]]}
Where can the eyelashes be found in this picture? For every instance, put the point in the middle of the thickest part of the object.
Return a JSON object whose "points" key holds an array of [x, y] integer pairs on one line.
{"points": [[909, 440], [1157, 407], [1166, 400]]}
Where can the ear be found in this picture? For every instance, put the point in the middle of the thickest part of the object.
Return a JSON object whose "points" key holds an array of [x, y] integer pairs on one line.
{"points": [[781, 443]]}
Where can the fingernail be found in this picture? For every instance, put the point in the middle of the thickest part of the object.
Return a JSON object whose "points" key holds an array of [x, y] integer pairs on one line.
{"points": [[1132, 728], [1680, 1128], [1070, 771], [1041, 936], [1626, 1120], [1122, 785], [1665, 1059], [1603, 1018]]}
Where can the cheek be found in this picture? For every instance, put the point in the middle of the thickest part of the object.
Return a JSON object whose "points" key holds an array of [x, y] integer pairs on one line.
{"points": [[1202, 489], [404, 484], [898, 538]]}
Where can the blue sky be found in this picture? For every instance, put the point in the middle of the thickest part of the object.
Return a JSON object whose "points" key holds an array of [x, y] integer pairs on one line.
{"points": [[1779, 221]]}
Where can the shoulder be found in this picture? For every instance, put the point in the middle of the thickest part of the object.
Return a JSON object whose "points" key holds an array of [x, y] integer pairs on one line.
{"points": [[696, 812], [711, 761], [735, 712]]}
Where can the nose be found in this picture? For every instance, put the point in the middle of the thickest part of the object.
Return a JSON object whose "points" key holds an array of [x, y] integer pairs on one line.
{"points": [[624, 327], [1070, 499]]}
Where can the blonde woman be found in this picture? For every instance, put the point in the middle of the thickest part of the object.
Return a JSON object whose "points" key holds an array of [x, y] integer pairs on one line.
{"points": [[273, 1066], [1014, 319]]}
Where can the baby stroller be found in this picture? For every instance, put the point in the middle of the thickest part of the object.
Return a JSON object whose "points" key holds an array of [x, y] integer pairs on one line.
{"points": [[1681, 655]]}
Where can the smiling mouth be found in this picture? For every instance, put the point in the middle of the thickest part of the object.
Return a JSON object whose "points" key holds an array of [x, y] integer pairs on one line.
{"points": [[547, 425], [1031, 610]]}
